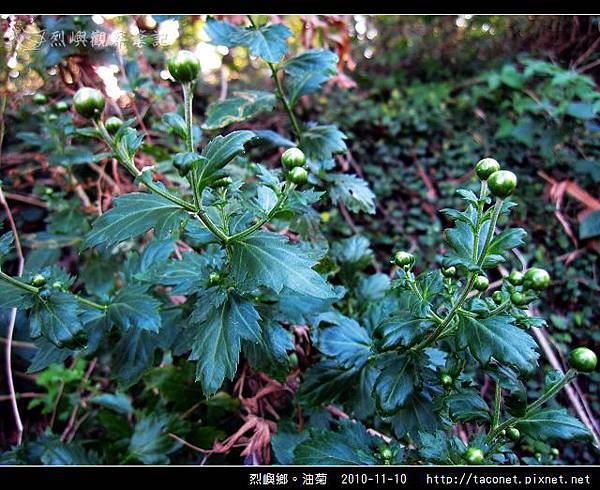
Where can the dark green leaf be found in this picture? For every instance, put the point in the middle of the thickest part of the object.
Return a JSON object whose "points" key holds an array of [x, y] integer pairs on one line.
{"points": [[132, 307], [150, 442], [553, 423], [221, 322], [497, 337], [57, 320], [353, 192], [395, 384], [322, 142], [347, 343], [352, 445], [267, 259], [133, 215]]}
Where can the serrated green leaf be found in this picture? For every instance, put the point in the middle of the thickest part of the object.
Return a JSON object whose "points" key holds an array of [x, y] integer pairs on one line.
{"points": [[352, 445], [416, 415], [219, 152], [347, 343], [115, 401], [308, 71], [187, 275], [14, 297], [57, 320], [268, 42], [131, 307], [398, 331], [373, 287], [352, 191], [497, 337], [553, 423], [133, 354], [395, 384], [237, 108], [133, 215], [176, 123], [6, 245], [322, 142], [267, 259], [590, 226], [272, 349], [221, 322], [466, 405], [322, 382], [150, 442]]}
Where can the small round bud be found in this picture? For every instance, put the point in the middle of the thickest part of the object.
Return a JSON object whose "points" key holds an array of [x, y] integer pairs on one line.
{"points": [[39, 99], [61, 106], [519, 299], [486, 167], [513, 433], [481, 283], [38, 281], [502, 183], [449, 271], [113, 124], [474, 455], [293, 157], [404, 259], [446, 380], [515, 278], [222, 182], [89, 102], [537, 279], [583, 359], [298, 175], [214, 278], [184, 66]]}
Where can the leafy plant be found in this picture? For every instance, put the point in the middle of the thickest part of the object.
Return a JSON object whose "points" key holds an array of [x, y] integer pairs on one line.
{"points": [[416, 356]]}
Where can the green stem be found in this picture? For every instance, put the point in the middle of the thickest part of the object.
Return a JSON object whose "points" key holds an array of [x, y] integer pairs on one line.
{"points": [[214, 229], [187, 103], [570, 375], [19, 284], [497, 401], [251, 229], [91, 304], [500, 308], [440, 330], [280, 93], [412, 285], [480, 205], [189, 138], [491, 230], [130, 166]]}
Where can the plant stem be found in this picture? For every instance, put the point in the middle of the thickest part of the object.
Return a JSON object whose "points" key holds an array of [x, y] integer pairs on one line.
{"points": [[500, 308], [285, 102], [569, 376], [280, 93], [491, 230], [251, 229], [187, 105], [188, 97], [480, 205], [90, 303], [19, 284], [440, 330], [497, 401]]}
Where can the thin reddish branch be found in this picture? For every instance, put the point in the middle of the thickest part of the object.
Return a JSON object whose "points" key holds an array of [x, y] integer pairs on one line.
{"points": [[11, 322]]}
